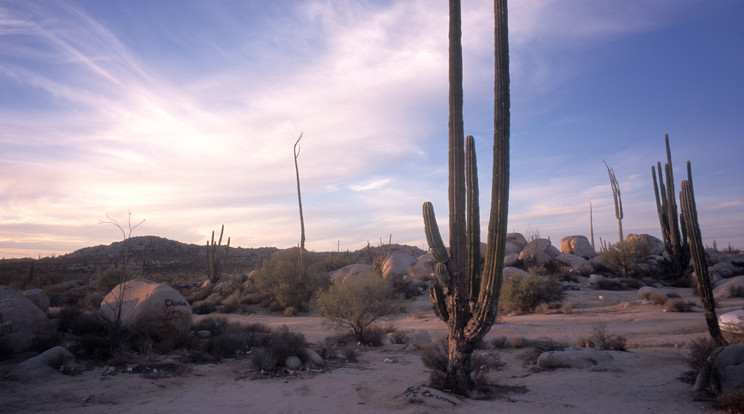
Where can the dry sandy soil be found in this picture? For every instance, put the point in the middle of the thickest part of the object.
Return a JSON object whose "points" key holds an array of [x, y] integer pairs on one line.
{"points": [[643, 380]]}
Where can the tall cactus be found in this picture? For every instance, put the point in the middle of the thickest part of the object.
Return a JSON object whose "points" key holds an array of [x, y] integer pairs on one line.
{"points": [[666, 207], [215, 262], [463, 297], [697, 250]]}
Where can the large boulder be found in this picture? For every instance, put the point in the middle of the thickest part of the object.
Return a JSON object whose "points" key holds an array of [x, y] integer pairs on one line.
{"points": [[350, 272], [516, 239], [423, 269], [396, 266], [22, 324], [732, 326], [655, 245], [577, 245], [576, 358], [539, 252], [725, 372], [44, 366], [39, 298], [727, 288], [148, 308], [513, 272]]}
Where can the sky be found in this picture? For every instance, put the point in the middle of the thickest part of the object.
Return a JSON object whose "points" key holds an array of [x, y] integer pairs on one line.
{"points": [[185, 113]]}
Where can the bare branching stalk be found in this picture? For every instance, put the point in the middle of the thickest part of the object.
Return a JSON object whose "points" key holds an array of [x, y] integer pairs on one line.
{"points": [[130, 228], [618, 201], [299, 200]]}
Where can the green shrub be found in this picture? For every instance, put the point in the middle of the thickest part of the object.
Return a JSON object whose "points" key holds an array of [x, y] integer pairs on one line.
{"points": [[280, 277], [524, 294], [357, 303], [624, 257]]}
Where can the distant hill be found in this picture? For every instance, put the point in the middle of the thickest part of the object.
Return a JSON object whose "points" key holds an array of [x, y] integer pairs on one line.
{"points": [[153, 255]]}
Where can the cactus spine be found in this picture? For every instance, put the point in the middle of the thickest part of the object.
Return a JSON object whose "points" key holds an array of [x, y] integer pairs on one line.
{"points": [[666, 207], [697, 250], [463, 297]]}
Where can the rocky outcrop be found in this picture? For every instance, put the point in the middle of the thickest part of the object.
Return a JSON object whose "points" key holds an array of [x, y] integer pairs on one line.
{"points": [[724, 372], [538, 252], [654, 245], [396, 266], [148, 308], [732, 326], [47, 365], [39, 298], [22, 324], [577, 245], [727, 288], [351, 272]]}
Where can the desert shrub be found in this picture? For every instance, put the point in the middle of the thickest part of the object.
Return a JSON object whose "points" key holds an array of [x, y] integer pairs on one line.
{"points": [[677, 305], [356, 304], [700, 350], [600, 338], [537, 270], [540, 346], [657, 298], [733, 402], [434, 356], [78, 322], [624, 257], [107, 279], [525, 294], [281, 278]]}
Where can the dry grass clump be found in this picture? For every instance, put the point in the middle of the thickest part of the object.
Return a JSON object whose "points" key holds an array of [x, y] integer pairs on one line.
{"points": [[733, 402], [601, 339], [700, 350], [678, 305]]}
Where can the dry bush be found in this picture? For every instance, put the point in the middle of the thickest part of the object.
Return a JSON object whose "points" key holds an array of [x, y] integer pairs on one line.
{"points": [[657, 298], [602, 339], [357, 304], [624, 257], [678, 305], [700, 350], [567, 308], [733, 402], [520, 294]]}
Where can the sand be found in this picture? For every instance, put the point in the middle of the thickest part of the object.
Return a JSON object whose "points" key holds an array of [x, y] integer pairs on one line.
{"points": [[642, 380]]}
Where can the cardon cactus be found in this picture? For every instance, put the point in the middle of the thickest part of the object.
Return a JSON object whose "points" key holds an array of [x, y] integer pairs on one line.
{"points": [[666, 207], [215, 261], [697, 251], [464, 297]]}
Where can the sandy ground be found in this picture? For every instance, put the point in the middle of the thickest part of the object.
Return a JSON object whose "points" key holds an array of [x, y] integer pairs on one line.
{"points": [[643, 380]]}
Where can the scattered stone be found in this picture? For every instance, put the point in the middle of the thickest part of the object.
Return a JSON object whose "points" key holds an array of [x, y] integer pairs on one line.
{"points": [[730, 287], [430, 397], [22, 324], [577, 245], [350, 272], [312, 357], [732, 326], [149, 308], [396, 266], [420, 338], [655, 245], [576, 358], [41, 367], [539, 252], [513, 272], [293, 363], [39, 298], [725, 371]]}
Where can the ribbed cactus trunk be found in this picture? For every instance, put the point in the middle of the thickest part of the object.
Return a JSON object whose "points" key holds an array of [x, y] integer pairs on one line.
{"points": [[466, 300], [697, 250], [669, 221]]}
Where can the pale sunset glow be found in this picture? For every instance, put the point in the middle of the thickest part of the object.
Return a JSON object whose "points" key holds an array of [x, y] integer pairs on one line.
{"points": [[185, 113]]}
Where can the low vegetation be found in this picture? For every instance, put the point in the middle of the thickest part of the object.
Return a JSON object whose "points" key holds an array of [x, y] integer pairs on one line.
{"points": [[625, 258], [525, 294], [357, 303]]}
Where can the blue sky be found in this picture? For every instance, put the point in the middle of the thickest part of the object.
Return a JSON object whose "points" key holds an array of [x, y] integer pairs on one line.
{"points": [[185, 113]]}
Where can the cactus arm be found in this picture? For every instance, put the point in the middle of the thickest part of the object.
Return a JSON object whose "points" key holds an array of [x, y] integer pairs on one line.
{"points": [[697, 251], [433, 237], [442, 274], [473, 218], [440, 302]]}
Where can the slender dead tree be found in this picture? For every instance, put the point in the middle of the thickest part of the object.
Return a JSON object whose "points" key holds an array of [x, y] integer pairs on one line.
{"points": [[130, 228], [618, 201], [299, 200]]}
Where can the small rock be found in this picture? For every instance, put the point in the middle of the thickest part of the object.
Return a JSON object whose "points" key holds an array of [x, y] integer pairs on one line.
{"points": [[293, 363], [43, 366], [430, 397]]}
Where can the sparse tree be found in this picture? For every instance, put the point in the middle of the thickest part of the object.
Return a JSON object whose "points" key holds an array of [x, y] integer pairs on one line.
{"points": [[130, 228]]}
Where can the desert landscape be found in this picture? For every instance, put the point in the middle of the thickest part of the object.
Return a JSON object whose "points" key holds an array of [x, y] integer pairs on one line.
{"points": [[645, 378]]}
